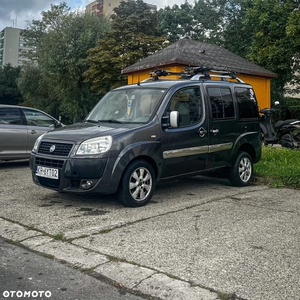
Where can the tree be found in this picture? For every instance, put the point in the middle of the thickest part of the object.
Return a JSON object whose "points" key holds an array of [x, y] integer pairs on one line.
{"points": [[209, 15], [293, 32], [134, 36], [60, 43], [9, 92], [236, 37], [177, 22], [275, 39]]}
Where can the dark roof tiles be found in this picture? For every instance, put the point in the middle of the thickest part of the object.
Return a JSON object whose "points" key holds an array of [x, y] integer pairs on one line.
{"points": [[193, 53]]}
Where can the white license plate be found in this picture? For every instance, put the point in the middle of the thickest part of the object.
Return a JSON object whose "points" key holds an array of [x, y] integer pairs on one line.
{"points": [[46, 172]]}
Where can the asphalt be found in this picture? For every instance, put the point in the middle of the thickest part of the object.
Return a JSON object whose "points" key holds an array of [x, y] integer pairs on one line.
{"points": [[199, 238], [28, 275]]}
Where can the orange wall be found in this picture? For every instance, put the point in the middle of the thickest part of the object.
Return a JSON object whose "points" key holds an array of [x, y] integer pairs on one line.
{"points": [[261, 85], [262, 89]]}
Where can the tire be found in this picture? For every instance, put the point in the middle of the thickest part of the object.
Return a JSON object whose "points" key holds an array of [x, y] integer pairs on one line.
{"points": [[242, 171], [137, 184], [287, 141]]}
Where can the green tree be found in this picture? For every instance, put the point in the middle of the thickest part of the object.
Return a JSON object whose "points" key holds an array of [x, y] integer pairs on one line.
{"points": [[36, 90], [213, 21], [275, 39], [236, 37], [9, 91], [134, 36], [61, 41], [293, 33], [209, 15], [177, 22]]}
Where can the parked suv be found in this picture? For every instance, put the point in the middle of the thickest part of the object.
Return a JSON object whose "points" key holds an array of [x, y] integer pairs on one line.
{"points": [[142, 133]]}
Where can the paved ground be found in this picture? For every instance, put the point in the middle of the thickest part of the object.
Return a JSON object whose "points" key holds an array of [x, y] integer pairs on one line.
{"points": [[25, 274], [199, 238]]}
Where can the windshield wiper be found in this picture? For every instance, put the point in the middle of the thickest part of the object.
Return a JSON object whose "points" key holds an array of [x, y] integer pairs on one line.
{"points": [[111, 121], [91, 121], [104, 121]]}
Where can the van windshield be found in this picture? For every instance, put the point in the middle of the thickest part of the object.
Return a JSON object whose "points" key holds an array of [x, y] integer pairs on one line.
{"points": [[127, 106]]}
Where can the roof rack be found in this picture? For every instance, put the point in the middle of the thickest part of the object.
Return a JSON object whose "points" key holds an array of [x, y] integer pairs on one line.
{"points": [[196, 73]]}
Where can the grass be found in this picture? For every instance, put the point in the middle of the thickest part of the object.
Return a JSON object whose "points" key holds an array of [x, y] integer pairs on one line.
{"points": [[58, 237], [279, 166]]}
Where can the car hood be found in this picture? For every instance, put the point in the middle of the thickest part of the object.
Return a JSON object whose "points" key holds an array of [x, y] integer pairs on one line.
{"points": [[83, 131]]}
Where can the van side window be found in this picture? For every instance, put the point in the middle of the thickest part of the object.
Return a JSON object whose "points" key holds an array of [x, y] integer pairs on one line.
{"points": [[221, 102], [247, 103], [189, 105]]}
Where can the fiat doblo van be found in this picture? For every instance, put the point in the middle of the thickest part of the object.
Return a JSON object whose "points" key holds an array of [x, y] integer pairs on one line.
{"points": [[159, 129]]}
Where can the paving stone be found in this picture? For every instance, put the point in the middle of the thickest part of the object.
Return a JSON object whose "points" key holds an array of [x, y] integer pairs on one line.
{"points": [[73, 254], [37, 241], [126, 274], [15, 232], [164, 287]]}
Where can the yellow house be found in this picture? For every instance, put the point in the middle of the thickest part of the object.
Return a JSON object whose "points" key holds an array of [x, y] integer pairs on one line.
{"points": [[192, 53]]}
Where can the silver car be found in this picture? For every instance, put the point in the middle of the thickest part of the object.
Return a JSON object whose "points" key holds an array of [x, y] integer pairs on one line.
{"points": [[19, 128]]}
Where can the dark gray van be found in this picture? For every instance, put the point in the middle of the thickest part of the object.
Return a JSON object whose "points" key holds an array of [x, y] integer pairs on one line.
{"points": [[142, 133]]}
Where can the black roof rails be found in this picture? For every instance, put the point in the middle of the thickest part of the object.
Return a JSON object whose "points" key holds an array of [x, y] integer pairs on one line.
{"points": [[195, 73]]}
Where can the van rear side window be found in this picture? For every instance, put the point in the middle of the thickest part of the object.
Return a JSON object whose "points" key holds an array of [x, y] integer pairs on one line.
{"points": [[221, 102], [247, 103]]}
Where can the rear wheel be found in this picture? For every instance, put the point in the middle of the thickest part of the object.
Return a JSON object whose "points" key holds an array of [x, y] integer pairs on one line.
{"points": [[242, 171], [287, 141], [137, 184]]}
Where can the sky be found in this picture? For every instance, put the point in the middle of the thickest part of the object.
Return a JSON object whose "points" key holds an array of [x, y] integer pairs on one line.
{"points": [[17, 13]]}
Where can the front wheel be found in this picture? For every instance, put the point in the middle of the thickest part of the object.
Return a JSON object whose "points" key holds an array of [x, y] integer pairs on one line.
{"points": [[137, 184], [242, 171]]}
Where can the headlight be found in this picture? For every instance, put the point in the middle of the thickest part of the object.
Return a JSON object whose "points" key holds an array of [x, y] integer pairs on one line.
{"points": [[37, 143], [95, 146]]}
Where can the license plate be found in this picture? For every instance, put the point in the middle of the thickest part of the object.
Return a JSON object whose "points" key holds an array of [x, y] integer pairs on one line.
{"points": [[46, 172]]}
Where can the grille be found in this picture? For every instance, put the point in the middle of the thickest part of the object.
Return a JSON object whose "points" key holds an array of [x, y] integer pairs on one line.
{"points": [[60, 149], [52, 163]]}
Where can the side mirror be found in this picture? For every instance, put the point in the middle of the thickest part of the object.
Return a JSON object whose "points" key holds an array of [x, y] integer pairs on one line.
{"points": [[58, 124], [174, 119]]}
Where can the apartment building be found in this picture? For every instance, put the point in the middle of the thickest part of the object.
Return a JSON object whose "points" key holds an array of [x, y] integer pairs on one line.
{"points": [[12, 47], [106, 7], [102, 7]]}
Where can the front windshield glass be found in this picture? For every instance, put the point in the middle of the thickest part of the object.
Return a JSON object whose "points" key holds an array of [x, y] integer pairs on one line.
{"points": [[134, 105]]}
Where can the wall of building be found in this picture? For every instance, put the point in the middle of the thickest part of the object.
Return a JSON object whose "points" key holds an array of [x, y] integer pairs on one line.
{"points": [[102, 7], [106, 7], [261, 85], [12, 47]]}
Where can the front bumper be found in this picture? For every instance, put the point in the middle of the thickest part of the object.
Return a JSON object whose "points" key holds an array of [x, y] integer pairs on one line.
{"points": [[74, 172]]}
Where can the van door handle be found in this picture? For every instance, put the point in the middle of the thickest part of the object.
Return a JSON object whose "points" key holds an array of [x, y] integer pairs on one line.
{"points": [[202, 132], [33, 132], [214, 131]]}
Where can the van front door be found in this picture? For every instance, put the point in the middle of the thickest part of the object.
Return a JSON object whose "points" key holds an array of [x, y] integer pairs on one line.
{"points": [[185, 149]]}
